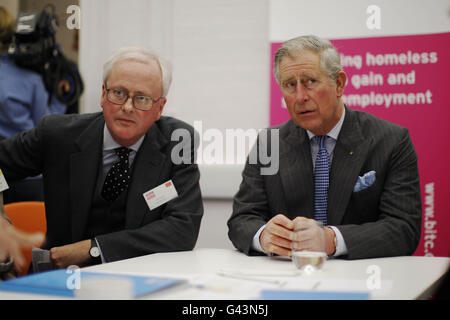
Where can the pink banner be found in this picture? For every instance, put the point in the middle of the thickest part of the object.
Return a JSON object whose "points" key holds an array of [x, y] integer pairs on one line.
{"points": [[403, 79]]}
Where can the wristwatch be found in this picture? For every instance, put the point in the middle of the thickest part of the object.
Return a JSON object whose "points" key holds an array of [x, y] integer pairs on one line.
{"points": [[94, 251]]}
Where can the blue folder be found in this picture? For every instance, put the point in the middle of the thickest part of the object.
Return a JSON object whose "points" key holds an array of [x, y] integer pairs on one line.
{"points": [[57, 283]]}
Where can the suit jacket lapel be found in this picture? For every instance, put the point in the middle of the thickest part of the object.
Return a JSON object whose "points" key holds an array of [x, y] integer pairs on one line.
{"points": [[296, 172], [84, 166], [349, 155], [145, 176]]}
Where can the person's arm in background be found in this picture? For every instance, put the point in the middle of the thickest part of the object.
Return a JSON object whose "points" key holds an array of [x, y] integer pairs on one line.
{"points": [[11, 242], [40, 106], [24, 104]]}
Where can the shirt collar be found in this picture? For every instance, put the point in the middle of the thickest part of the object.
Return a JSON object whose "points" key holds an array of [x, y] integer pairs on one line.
{"points": [[334, 133], [110, 144]]}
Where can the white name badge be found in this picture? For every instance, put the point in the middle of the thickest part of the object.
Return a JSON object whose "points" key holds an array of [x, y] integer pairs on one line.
{"points": [[3, 184], [160, 195]]}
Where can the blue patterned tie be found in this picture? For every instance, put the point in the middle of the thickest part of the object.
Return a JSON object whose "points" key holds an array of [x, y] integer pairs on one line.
{"points": [[321, 181]]}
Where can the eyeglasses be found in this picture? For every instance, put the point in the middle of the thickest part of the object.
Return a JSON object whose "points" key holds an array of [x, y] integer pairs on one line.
{"points": [[120, 97]]}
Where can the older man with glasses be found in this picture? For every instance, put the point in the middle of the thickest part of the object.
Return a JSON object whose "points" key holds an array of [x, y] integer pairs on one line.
{"points": [[97, 168]]}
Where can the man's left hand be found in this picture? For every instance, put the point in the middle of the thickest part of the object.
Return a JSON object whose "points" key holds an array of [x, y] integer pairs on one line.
{"points": [[72, 254], [309, 235]]}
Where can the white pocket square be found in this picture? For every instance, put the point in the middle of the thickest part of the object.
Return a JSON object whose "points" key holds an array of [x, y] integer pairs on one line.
{"points": [[365, 181]]}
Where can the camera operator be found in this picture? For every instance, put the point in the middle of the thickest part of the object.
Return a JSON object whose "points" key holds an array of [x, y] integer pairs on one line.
{"points": [[23, 102]]}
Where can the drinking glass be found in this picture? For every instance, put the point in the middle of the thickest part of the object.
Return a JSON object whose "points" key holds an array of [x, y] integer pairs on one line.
{"points": [[312, 259]]}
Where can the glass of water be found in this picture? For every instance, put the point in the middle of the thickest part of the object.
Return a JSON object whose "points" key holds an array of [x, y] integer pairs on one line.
{"points": [[311, 259]]}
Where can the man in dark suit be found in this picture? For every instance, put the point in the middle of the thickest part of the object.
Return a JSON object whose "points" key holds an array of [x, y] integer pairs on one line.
{"points": [[81, 156], [368, 195]]}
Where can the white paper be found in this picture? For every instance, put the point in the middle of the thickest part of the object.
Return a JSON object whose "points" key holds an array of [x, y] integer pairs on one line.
{"points": [[3, 184]]}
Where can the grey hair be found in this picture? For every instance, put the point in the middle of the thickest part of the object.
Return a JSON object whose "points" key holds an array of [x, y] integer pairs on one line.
{"points": [[330, 61], [141, 55]]}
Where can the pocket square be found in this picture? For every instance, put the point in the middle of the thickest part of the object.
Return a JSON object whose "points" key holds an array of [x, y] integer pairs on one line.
{"points": [[365, 181]]}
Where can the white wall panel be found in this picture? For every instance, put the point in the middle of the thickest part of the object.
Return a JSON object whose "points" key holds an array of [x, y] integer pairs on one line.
{"points": [[347, 18]]}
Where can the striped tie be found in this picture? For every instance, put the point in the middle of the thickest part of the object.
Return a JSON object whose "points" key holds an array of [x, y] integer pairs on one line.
{"points": [[321, 181]]}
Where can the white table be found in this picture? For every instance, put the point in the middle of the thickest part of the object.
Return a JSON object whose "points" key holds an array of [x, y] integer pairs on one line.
{"points": [[399, 277]]}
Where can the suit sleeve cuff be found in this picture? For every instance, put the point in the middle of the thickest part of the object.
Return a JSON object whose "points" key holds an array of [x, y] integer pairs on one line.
{"points": [[255, 243], [101, 253]]}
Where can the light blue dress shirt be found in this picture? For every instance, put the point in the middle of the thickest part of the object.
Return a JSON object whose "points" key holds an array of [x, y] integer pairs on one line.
{"points": [[330, 143], [110, 156]]}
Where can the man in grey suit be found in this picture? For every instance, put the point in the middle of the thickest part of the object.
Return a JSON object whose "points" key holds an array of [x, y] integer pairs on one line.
{"points": [[372, 205], [81, 155]]}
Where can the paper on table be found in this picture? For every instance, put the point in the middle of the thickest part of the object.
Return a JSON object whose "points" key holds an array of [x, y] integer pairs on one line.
{"points": [[214, 287], [299, 282], [261, 272]]}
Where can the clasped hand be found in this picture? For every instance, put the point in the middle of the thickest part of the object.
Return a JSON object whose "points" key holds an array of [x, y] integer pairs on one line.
{"points": [[282, 235]]}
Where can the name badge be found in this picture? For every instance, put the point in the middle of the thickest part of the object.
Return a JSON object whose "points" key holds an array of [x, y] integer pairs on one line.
{"points": [[160, 195], [3, 184]]}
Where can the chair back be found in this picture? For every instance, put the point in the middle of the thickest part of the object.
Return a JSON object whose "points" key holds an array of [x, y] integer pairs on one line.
{"points": [[27, 216]]}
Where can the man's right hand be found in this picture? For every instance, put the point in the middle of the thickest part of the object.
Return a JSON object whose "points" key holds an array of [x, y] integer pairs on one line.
{"points": [[277, 236]]}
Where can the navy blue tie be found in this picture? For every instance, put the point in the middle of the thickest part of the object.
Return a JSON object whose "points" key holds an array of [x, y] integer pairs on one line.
{"points": [[321, 181], [118, 177]]}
